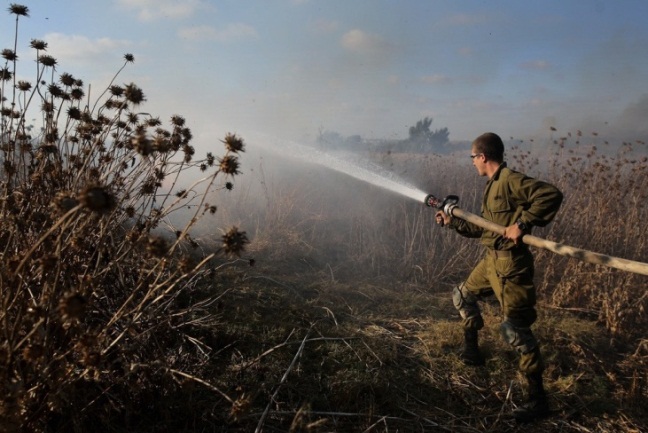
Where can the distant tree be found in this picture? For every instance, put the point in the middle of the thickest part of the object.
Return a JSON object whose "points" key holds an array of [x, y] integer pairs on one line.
{"points": [[354, 140], [329, 139], [333, 140], [421, 130], [425, 140]]}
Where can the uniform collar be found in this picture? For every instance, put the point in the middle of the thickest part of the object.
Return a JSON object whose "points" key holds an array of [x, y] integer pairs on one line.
{"points": [[498, 171]]}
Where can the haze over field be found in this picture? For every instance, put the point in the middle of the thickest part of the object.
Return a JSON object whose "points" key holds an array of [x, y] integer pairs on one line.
{"points": [[292, 68]]}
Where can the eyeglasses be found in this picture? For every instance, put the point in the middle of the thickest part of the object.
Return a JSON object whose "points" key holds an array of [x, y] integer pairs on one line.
{"points": [[475, 155]]}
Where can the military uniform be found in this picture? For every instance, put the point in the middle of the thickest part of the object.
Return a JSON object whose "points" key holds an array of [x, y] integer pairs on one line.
{"points": [[507, 269]]}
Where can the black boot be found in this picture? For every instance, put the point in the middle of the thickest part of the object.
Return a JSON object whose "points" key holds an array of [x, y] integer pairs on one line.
{"points": [[470, 351], [536, 406]]}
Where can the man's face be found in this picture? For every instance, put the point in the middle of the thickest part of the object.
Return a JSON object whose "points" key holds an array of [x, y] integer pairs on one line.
{"points": [[478, 161]]}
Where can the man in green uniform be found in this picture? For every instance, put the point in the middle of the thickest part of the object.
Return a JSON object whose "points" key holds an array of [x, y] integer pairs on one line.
{"points": [[518, 203]]}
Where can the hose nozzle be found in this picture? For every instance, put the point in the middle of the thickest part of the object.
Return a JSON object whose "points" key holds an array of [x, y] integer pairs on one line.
{"points": [[447, 203], [431, 201]]}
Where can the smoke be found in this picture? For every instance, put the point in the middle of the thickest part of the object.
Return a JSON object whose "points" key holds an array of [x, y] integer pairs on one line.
{"points": [[632, 121], [628, 126]]}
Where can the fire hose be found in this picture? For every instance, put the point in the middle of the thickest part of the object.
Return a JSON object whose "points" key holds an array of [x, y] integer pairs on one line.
{"points": [[449, 206]]}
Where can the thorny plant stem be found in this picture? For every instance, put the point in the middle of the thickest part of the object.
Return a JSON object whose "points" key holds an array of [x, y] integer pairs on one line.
{"points": [[259, 427], [58, 224]]}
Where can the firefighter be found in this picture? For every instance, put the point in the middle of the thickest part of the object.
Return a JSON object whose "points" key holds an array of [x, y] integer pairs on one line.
{"points": [[519, 203]]}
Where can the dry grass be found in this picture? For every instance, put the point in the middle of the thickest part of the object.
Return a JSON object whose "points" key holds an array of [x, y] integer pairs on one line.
{"points": [[385, 359], [101, 311]]}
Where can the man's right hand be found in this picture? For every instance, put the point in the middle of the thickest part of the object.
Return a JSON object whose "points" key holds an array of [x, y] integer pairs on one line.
{"points": [[442, 218]]}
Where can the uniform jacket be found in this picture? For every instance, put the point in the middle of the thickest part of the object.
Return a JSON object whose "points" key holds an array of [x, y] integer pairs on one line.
{"points": [[509, 196]]}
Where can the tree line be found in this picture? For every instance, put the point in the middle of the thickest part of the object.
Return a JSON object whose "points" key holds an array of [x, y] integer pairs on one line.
{"points": [[421, 139]]}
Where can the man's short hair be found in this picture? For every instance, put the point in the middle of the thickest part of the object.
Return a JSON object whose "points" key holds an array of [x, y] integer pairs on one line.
{"points": [[491, 145]]}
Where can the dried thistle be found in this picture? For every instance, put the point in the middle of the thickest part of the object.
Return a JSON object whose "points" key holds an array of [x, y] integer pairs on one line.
{"points": [[186, 134], [47, 60], [142, 144], [178, 120], [74, 113], [229, 164], [234, 241], [116, 90], [157, 246], [134, 94], [240, 407], [91, 358], [66, 79], [233, 143], [9, 168], [77, 94], [38, 44], [23, 86], [72, 307], [186, 265], [5, 74], [48, 262], [18, 10], [97, 199], [153, 122], [9, 55], [33, 353], [47, 107], [189, 152]]}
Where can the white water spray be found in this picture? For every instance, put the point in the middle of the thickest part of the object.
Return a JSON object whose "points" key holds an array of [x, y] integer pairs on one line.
{"points": [[366, 171]]}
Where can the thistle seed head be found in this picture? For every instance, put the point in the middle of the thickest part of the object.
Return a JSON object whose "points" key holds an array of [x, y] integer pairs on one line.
{"points": [[153, 122], [72, 307], [178, 120], [23, 86], [18, 10], [33, 353], [234, 241], [157, 246], [47, 107], [38, 44], [116, 90], [186, 265], [77, 94], [91, 358], [9, 168], [134, 94], [66, 79], [142, 144], [233, 143], [48, 262], [230, 165], [74, 113], [97, 199], [47, 60], [9, 55], [5, 74]]}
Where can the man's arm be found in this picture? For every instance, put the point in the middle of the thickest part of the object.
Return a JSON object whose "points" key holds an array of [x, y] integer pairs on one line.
{"points": [[462, 227], [539, 201]]}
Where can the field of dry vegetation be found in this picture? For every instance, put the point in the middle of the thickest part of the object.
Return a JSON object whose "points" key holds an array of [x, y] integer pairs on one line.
{"points": [[326, 307]]}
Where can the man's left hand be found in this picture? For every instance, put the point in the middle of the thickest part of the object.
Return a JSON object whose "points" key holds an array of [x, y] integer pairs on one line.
{"points": [[513, 233]]}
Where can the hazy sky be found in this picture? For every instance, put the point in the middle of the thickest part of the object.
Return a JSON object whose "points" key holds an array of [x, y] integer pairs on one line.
{"points": [[291, 68]]}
